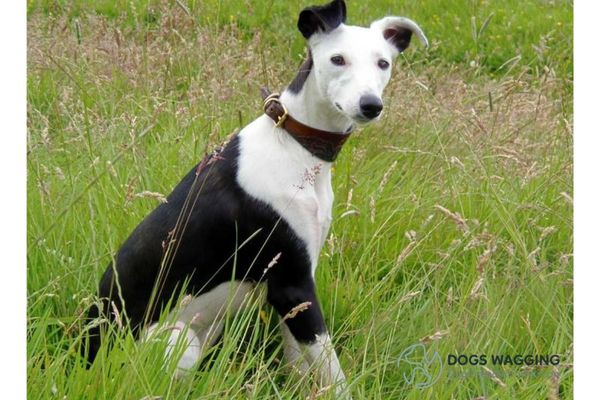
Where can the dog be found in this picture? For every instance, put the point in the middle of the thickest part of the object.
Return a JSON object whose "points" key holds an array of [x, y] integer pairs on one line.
{"points": [[257, 211]]}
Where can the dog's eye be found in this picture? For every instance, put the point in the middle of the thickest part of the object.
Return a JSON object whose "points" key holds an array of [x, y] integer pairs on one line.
{"points": [[383, 64], [338, 60]]}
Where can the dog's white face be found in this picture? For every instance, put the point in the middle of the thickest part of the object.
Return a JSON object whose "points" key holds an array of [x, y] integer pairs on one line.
{"points": [[352, 65]]}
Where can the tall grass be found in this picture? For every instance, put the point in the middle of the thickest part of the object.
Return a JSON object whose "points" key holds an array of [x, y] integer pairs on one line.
{"points": [[452, 221]]}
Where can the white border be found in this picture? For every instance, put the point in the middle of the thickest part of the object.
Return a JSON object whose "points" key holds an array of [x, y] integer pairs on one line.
{"points": [[587, 210], [13, 38], [13, 166]]}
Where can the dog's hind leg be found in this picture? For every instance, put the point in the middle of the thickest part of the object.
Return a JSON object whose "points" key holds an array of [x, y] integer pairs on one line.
{"points": [[198, 324], [188, 343]]}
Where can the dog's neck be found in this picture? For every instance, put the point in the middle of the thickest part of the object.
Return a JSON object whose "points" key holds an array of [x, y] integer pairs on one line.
{"points": [[311, 108]]}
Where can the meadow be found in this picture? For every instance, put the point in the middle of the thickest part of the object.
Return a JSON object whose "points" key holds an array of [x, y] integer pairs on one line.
{"points": [[453, 214]]}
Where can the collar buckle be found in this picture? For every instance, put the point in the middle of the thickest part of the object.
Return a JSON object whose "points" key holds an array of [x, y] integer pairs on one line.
{"points": [[274, 98]]}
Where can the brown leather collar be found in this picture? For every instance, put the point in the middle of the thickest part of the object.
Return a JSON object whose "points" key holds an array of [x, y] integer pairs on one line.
{"points": [[322, 144]]}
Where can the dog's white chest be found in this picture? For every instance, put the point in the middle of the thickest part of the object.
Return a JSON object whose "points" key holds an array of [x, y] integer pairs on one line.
{"points": [[275, 169]]}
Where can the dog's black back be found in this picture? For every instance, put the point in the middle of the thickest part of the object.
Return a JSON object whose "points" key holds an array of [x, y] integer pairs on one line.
{"points": [[215, 218]]}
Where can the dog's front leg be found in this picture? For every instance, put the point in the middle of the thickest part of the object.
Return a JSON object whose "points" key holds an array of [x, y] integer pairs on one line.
{"points": [[292, 350], [321, 354], [299, 308]]}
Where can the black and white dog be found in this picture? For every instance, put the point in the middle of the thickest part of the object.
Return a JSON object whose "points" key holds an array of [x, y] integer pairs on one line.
{"points": [[265, 196]]}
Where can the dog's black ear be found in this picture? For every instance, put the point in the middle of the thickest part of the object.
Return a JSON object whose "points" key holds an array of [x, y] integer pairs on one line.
{"points": [[398, 31], [322, 18]]}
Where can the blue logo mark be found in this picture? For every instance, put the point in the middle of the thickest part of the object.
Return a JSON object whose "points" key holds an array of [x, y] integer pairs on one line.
{"points": [[424, 369]]}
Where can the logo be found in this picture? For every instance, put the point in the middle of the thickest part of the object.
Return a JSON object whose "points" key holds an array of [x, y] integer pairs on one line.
{"points": [[421, 368]]}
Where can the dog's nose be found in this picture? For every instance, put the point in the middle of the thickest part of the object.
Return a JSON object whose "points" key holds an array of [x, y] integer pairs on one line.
{"points": [[370, 106]]}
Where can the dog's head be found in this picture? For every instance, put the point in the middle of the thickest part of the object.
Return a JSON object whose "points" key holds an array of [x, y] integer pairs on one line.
{"points": [[351, 64]]}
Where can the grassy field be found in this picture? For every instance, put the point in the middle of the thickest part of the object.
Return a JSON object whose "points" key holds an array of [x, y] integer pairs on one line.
{"points": [[453, 214]]}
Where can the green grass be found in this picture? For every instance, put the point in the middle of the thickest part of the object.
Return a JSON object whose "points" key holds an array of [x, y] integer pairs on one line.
{"points": [[125, 97], [491, 34]]}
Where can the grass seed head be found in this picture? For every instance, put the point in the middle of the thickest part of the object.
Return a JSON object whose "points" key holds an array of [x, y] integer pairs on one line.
{"points": [[296, 310], [152, 195], [434, 337]]}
